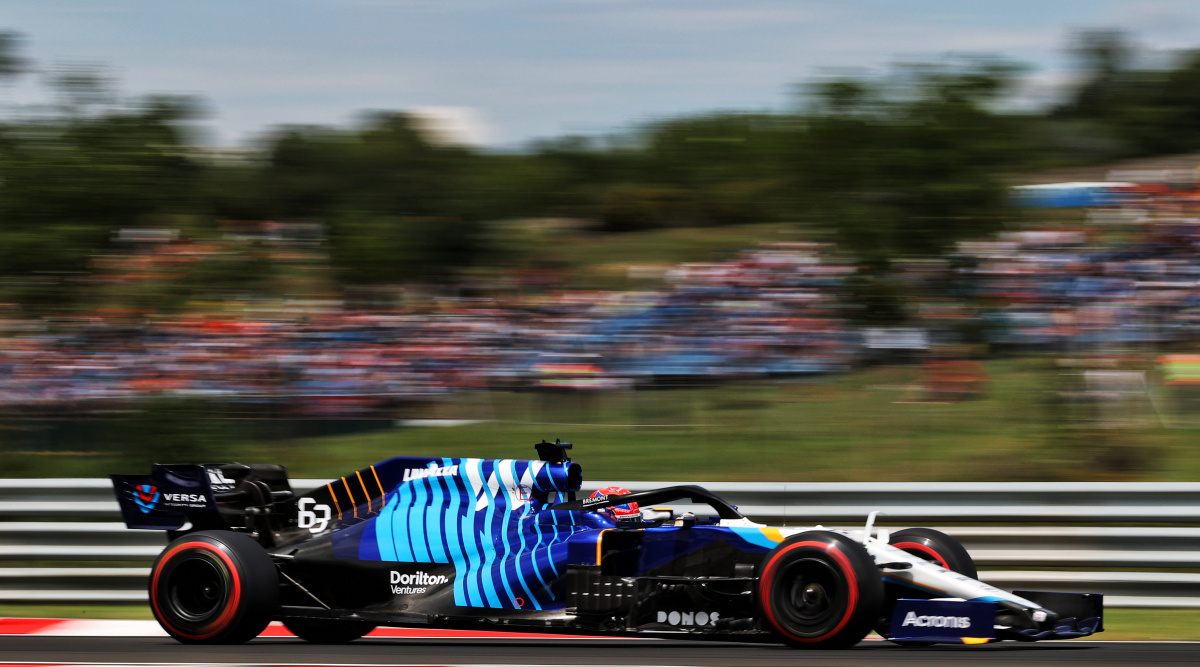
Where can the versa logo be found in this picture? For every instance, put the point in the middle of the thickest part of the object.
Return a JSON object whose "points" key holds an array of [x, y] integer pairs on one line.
{"points": [[146, 497], [185, 497]]}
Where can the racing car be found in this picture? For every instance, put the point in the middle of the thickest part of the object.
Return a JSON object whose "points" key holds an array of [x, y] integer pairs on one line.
{"points": [[500, 544]]}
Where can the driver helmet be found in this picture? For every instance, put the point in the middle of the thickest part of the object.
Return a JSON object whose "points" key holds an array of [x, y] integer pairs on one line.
{"points": [[617, 512]]}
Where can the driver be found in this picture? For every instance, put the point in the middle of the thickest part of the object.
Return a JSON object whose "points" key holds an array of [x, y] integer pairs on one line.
{"points": [[617, 512]]}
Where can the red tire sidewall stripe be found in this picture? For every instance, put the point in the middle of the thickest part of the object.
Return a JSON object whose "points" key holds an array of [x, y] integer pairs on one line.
{"points": [[768, 578], [230, 609], [923, 548]]}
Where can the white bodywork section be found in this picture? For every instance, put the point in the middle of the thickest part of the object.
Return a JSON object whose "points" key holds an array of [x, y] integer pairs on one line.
{"points": [[923, 575]]}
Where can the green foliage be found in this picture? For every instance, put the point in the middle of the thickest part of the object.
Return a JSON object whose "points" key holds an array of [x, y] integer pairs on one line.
{"points": [[1137, 111], [386, 166], [628, 207], [398, 207], [12, 64], [69, 183], [910, 165], [893, 166], [382, 249]]}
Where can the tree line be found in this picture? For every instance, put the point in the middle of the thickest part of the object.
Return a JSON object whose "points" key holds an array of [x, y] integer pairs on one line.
{"points": [[898, 164]]}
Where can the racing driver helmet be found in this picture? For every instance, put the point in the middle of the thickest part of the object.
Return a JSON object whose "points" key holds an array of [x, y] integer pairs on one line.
{"points": [[617, 512]]}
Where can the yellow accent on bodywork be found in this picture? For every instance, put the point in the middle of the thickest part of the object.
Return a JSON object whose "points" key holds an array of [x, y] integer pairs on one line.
{"points": [[600, 541], [975, 640], [773, 534]]}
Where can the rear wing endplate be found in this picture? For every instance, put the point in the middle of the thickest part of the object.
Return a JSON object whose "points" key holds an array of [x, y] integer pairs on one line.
{"points": [[170, 496]]}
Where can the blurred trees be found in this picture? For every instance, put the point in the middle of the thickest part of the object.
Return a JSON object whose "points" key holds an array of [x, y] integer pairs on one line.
{"points": [[890, 166], [12, 64], [68, 183], [1135, 108], [909, 165], [70, 178], [906, 166], [397, 206]]}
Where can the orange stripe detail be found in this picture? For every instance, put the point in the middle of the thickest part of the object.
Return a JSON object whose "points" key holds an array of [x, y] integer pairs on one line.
{"points": [[382, 493], [364, 488], [335, 502], [353, 502]]}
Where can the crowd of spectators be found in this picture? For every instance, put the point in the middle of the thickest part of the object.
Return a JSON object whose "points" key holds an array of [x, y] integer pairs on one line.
{"points": [[777, 311], [770, 311], [1102, 286]]}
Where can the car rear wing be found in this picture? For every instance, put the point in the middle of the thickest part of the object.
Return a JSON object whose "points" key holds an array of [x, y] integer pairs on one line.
{"points": [[222, 496]]}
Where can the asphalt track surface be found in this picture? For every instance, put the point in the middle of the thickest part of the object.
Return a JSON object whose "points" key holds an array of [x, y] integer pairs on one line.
{"points": [[32, 650]]}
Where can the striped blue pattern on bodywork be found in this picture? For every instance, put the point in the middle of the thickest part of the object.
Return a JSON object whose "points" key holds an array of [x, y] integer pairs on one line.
{"points": [[486, 517]]}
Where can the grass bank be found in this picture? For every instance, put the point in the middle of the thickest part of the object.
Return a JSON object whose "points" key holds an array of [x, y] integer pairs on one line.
{"points": [[865, 426], [870, 425]]}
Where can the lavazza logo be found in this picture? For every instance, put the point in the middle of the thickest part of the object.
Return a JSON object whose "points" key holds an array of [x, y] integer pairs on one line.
{"points": [[414, 584], [434, 470], [960, 622]]}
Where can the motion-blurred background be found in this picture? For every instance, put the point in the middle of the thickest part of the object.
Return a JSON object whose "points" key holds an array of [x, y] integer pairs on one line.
{"points": [[928, 267]]}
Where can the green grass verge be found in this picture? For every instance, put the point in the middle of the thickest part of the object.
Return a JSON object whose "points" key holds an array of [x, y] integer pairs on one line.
{"points": [[1120, 624], [669, 246], [1151, 625], [865, 426], [132, 612], [603, 260]]}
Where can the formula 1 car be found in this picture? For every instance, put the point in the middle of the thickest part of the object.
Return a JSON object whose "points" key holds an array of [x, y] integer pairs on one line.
{"points": [[506, 545]]}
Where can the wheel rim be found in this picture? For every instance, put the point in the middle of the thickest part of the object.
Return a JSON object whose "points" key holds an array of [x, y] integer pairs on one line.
{"points": [[197, 589], [810, 601]]}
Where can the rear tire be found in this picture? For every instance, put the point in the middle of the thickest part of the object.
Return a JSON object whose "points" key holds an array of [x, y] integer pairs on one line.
{"points": [[326, 632], [819, 589], [214, 587]]}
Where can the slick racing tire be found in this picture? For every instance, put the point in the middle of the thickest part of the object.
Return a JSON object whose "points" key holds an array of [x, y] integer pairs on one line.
{"points": [[214, 587], [326, 632], [936, 547], [819, 589]]}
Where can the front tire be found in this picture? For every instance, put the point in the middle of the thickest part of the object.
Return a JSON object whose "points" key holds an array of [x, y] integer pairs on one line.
{"points": [[214, 587], [326, 632], [819, 589], [936, 547], [933, 546]]}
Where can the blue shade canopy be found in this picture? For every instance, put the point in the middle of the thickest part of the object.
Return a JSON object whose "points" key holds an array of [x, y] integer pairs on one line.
{"points": [[1068, 195]]}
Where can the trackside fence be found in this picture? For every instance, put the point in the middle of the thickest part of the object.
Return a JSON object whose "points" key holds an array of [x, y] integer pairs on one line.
{"points": [[61, 540]]}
